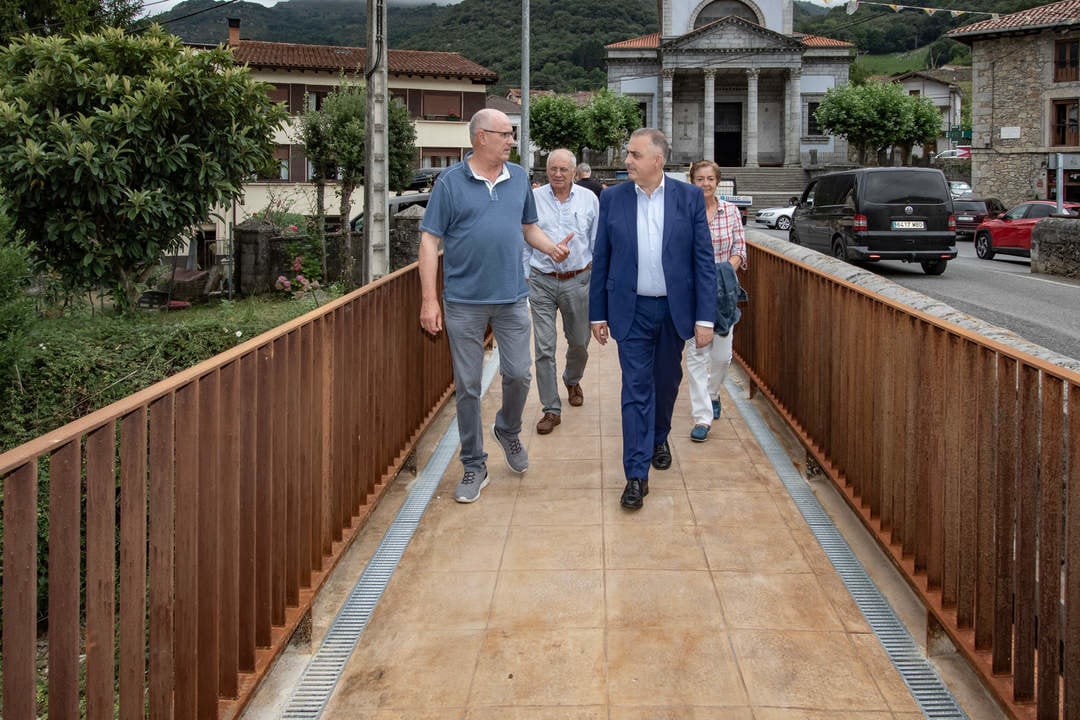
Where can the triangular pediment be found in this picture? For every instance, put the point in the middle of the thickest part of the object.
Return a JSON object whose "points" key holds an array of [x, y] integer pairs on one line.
{"points": [[732, 32]]}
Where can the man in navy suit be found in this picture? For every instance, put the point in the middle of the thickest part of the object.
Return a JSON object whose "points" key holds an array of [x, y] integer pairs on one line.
{"points": [[653, 287]]}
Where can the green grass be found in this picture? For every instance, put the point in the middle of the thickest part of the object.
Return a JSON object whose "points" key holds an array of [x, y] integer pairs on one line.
{"points": [[893, 63]]}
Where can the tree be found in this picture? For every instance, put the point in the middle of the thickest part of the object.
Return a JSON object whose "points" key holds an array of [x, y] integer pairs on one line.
{"points": [[402, 146], [346, 112], [921, 124], [314, 134], [334, 142], [609, 119], [868, 115], [112, 145], [64, 17], [555, 122]]}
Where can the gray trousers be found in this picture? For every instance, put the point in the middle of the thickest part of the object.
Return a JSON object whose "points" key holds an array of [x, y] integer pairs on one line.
{"points": [[465, 326], [548, 295]]}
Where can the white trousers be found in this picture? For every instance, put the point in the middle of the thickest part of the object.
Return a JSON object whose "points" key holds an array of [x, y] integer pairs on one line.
{"points": [[706, 369]]}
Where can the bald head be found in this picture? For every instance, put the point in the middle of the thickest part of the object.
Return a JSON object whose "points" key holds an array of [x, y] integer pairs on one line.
{"points": [[486, 119], [492, 137]]}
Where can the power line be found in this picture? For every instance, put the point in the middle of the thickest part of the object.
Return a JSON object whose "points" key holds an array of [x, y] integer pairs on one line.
{"points": [[217, 6]]}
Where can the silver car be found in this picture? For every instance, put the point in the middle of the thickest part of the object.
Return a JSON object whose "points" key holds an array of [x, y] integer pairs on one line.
{"points": [[775, 217]]}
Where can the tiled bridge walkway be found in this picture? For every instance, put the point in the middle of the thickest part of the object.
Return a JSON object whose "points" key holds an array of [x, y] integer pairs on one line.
{"points": [[545, 600]]}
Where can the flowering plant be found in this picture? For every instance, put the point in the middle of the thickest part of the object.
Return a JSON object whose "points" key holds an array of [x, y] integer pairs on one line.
{"points": [[299, 285]]}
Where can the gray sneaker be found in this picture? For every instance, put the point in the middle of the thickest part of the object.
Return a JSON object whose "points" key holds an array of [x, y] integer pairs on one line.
{"points": [[516, 457], [468, 490]]}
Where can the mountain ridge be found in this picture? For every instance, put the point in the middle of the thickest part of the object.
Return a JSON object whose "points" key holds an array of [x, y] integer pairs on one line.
{"points": [[567, 36]]}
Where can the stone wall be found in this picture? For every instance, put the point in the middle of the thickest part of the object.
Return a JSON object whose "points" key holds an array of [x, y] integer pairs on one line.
{"points": [[1013, 87], [1055, 247]]}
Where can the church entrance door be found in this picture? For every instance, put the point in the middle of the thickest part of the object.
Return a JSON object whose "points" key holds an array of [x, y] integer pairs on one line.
{"points": [[727, 137]]}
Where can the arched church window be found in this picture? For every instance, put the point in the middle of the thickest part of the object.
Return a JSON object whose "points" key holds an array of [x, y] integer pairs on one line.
{"points": [[722, 8]]}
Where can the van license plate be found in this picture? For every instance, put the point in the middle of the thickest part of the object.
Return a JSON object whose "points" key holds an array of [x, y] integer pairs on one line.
{"points": [[908, 225], [964, 218]]}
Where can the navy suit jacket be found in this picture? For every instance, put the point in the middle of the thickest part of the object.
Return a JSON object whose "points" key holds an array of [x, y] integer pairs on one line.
{"points": [[686, 255]]}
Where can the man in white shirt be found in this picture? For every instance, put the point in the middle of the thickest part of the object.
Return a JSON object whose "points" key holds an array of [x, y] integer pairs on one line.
{"points": [[562, 209]]}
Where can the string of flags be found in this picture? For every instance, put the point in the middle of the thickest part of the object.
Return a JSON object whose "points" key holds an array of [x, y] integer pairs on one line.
{"points": [[853, 5]]}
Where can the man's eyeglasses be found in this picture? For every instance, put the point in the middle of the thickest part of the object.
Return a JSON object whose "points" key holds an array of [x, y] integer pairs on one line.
{"points": [[504, 133]]}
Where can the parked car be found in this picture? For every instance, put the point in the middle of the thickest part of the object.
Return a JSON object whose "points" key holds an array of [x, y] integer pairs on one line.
{"points": [[958, 188], [962, 152], [882, 213], [775, 217], [424, 178], [1010, 232], [970, 211], [396, 205]]}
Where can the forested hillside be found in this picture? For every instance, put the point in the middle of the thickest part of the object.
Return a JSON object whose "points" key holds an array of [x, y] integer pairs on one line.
{"points": [[876, 29], [568, 36]]}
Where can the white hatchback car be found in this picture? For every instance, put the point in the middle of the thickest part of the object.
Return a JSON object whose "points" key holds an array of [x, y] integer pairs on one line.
{"points": [[775, 217]]}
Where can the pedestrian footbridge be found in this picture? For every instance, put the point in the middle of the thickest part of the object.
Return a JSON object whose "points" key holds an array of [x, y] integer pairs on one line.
{"points": [[272, 534]]}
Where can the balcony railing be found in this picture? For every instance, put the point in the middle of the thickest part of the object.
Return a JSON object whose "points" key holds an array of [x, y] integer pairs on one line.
{"points": [[959, 451], [212, 506]]}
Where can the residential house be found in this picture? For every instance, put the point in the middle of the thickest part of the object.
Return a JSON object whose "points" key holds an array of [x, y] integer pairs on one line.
{"points": [[730, 81], [1025, 111], [441, 89], [945, 95]]}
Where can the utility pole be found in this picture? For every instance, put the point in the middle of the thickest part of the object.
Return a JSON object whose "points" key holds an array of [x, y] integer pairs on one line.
{"points": [[376, 161], [523, 135]]}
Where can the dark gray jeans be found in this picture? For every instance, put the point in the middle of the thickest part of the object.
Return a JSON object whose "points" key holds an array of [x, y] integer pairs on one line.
{"points": [[465, 325]]}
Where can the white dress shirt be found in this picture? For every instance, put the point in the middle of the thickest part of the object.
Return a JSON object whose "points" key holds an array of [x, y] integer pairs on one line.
{"points": [[650, 236]]}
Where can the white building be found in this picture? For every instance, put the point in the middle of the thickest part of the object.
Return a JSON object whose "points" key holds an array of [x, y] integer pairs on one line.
{"points": [[441, 89], [729, 80], [946, 97]]}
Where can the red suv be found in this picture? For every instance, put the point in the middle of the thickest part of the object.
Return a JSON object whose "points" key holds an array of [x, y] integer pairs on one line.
{"points": [[1010, 233], [971, 211]]}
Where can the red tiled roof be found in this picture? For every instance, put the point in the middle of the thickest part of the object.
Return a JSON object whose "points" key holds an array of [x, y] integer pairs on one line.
{"points": [[817, 41], [652, 41], [645, 42], [292, 56], [1056, 14]]}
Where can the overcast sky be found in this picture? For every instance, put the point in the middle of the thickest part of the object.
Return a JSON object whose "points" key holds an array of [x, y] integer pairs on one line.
{"points": [[154, 7]]}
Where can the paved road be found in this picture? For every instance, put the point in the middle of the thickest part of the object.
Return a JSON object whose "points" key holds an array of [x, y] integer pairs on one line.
{"points": [[1044, 309]]}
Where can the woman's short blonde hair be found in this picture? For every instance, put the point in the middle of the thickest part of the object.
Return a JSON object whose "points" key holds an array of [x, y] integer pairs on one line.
{"points": [[703, 164]]}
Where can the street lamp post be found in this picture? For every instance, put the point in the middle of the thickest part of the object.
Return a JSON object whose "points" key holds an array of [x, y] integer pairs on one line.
{"points": [[523, 135]]}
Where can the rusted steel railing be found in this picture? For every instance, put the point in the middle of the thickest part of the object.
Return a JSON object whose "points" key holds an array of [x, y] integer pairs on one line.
{"points": [[961, 454], [213, 505]]}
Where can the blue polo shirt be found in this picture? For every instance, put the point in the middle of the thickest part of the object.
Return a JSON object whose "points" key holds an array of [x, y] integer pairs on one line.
{"points": [[480, 226]]}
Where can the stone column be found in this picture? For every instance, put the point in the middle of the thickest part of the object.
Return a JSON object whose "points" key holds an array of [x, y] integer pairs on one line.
{"points": [[708, 131], [751, 117], [794, 118], [666, 102]]}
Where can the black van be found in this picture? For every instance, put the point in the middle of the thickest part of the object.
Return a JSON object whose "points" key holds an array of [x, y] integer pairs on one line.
{"points": [[871, 214]]}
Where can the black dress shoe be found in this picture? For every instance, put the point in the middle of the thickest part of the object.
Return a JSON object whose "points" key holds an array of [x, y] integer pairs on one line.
{"points": [[661, 456], [634, 493]]}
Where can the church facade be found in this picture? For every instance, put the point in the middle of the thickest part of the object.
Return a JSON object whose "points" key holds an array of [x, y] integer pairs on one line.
{"points": [[730, 81]]}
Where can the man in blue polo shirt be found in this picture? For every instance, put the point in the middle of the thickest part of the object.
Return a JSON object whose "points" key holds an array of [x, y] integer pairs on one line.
{"points": [[482, 210]]}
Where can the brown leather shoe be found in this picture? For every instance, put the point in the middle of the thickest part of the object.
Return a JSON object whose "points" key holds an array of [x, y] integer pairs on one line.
{"points": [[575, 395], [547, 423]]}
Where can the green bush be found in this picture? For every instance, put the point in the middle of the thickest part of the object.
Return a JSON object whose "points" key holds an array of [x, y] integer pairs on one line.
{"points": [[16, 308], [76, 363]]}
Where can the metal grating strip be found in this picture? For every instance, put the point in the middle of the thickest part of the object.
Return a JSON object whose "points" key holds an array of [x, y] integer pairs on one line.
{"points": [[323, 671], [926, 686]]}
